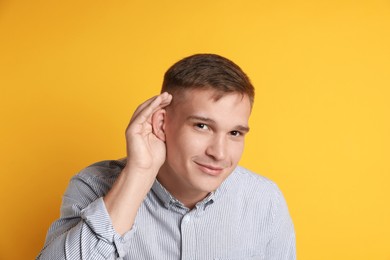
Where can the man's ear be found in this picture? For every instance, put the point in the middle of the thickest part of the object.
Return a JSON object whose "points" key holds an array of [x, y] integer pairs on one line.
{"points": [[158, 124]]}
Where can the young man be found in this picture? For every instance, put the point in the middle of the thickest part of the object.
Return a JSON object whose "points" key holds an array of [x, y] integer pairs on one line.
{"points": [[179, 194]]}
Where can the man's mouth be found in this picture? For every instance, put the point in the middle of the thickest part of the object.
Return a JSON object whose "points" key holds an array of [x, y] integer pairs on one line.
{"points": [[210, 169]]}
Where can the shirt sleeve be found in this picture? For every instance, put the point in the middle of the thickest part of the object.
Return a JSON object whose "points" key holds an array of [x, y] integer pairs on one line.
{"points": [[84, 229], [282, 244]]}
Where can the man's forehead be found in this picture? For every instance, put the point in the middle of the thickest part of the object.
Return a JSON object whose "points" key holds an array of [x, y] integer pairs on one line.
{"points": [[204, 104], [206, 93]]}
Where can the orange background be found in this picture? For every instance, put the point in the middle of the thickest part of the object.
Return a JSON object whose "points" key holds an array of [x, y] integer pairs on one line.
{"points": [[72, 73]]}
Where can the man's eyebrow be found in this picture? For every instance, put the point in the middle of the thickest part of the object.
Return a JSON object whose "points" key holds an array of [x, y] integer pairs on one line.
{"points": [[241, 128], [200, 118], [244, 129]]}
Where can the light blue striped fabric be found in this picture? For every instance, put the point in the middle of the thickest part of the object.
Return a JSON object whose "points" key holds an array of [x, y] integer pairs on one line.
{"points": [[245, 218]]}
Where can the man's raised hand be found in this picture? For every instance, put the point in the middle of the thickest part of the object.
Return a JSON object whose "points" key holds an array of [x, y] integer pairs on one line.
{"points": [[146, 150]]}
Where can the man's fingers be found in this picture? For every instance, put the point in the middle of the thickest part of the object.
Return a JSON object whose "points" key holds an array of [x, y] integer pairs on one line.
{"points": [[143, 105], [146, 109]]}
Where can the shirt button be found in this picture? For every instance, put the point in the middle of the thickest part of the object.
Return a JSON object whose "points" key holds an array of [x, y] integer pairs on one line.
{"points": [[186, 219]]}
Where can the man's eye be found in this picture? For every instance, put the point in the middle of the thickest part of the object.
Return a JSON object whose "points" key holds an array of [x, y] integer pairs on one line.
{"points": [[235, 133], [202, 126]]}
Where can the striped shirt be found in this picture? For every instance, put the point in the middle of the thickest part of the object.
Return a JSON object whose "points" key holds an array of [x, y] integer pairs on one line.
{"points": [[245, 218]]}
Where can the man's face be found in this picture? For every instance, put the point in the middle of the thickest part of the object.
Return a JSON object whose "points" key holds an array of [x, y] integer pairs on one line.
{"points": [[204, 139]]}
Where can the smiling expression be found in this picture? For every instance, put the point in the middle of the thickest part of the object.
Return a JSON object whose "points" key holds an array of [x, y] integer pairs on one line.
{"points": [[205, 140]]}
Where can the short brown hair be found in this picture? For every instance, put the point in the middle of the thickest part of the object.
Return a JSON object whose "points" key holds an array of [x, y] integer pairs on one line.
{"points": [[207, 71]]}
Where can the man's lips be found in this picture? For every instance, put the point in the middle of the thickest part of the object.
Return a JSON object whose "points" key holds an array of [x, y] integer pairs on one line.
{"points": [[210, 169]]}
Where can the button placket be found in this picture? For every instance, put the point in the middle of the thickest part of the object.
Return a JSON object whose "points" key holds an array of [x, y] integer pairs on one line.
{"points": [[188, 235]]}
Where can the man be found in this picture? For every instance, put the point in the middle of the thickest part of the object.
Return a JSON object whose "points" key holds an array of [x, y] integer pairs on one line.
{"points": [[179, 194]]}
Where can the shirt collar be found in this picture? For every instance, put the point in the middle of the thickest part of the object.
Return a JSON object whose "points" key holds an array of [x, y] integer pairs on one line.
{"points": [[168, 200]]}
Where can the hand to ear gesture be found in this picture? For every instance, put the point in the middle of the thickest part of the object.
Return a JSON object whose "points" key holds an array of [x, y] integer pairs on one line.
{"points": [[146, 150]]}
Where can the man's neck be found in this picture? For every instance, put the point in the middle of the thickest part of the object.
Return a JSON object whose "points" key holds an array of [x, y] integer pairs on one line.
{"points": [[187, 196]]}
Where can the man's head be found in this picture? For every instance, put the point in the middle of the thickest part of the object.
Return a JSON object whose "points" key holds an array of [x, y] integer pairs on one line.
{"points": [[207, 71], [204, 127]]}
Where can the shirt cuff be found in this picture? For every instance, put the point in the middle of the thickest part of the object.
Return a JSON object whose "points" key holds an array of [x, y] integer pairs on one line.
{"points": [[97, 218]]}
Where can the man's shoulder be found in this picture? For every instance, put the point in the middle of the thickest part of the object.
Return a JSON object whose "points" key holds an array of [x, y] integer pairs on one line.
{"points": [[107, 170], [247, 176], [93, 181], [253, 183]]}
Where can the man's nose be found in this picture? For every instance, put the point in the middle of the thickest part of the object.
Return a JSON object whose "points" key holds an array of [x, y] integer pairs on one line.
{"points": [[217, 148]]}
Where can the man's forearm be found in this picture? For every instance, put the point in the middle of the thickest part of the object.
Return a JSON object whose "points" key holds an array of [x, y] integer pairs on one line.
{"points": [[125, 197]]}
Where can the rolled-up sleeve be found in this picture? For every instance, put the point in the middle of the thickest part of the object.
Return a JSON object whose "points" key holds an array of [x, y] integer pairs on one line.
{"points": [[84, 229]]}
